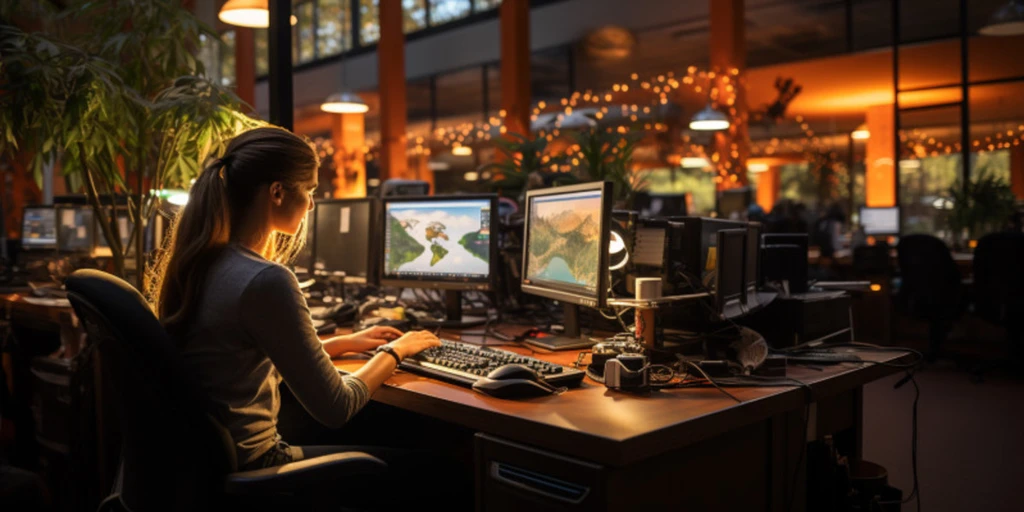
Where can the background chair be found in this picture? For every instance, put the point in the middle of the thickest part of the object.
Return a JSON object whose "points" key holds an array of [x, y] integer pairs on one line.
{"points": [[174, 455], [930, 288], [999, 286]]}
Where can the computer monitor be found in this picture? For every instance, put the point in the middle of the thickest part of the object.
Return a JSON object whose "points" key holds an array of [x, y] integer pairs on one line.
{"points": [[565, 256], [343, 241], [784, 258], [124, 226], [75, 229], [733, 203], [753, 259], [690, 246], [441, 242], [730, 258], [660, 205], [303, 263], [880, 221], [39, 228]]}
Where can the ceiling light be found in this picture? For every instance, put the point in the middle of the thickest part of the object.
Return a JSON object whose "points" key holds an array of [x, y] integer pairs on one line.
{"points": [[694, 162], [471, 176], [1008, 20], [709, 119], [461, 150], [756, 167], [247, 13], [344, 102], [910, 164], [861, 133]]}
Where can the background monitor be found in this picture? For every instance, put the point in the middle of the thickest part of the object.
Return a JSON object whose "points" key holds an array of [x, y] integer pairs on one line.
{"points": [[342, 242], [730, 257], [660, 205], [880, 221], [75, 229], [39, 227], [733, 203], [124, 226], [443, 242], [784, 258]]}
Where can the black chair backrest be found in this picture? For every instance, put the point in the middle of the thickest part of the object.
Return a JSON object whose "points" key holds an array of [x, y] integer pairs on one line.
{"points": [[872, 260], [999, 277], [174, 456], [930, 283]]}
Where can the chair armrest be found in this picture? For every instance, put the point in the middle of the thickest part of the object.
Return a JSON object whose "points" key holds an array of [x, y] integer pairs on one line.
{"points": [[303, 474]]}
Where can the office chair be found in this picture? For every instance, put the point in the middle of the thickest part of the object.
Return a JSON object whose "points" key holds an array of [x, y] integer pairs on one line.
{"points": [[175, 455], [999, 286], [931, 288]]}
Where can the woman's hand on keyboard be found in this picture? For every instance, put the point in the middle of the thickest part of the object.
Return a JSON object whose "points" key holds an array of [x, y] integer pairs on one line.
{"points": [[414, 342], [362, 341]]}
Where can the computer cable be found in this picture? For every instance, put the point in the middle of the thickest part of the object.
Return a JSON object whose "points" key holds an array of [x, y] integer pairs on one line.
{"points": [[915, 494], [710, 380]]}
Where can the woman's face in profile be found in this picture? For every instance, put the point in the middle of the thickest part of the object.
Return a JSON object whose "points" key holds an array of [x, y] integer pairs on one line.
{"points": [[296, 204]]}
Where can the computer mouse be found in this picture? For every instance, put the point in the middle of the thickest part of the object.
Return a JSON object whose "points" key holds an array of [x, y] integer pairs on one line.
{"points": [[514, 371], [513, 388]]}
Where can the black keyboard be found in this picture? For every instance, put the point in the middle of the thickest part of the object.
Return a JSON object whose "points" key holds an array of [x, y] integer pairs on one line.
{"points": [[463, 364]]}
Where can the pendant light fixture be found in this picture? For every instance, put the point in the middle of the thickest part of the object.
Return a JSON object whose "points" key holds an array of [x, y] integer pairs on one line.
{"points": [[346, 101], [1008, 20], [247, 13], [709, 119], [861, 133]]}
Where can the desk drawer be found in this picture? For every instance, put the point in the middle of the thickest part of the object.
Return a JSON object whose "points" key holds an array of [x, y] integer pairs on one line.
{"points": [[512, 476]]}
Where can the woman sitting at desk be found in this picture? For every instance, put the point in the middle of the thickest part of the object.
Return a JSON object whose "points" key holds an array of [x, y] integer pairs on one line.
{"points": [[238, 315]]}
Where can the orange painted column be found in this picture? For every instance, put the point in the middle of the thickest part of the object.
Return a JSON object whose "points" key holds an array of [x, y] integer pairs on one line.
{"points": [[728, 61], [245, 65], [769, 184], [391, 80], [879, 160], [348, 133], [515, 65], [1017, 170]]}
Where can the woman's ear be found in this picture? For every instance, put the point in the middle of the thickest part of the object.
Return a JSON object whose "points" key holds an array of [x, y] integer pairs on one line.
{"points": [[277, 193]]}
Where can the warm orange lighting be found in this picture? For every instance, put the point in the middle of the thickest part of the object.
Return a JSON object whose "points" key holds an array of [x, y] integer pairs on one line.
{"points": [[247, 13], [876, 287], [972, 244], [861, 133]]}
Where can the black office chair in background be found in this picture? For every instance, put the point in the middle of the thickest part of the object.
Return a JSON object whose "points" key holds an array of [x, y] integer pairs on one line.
{"points": [[174, 455], [930, 288], [999, 287]]}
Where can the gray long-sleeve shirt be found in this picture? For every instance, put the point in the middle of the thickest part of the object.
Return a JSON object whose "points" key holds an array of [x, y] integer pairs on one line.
{"points": [[252, 328]]}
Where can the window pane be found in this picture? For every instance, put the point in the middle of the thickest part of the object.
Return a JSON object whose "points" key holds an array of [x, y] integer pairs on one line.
{"points": [[697, 182], [369, 23], [460, 97], [305, 28], [930, 165], [483, 5], [414, 15], [443, 11], [334, 27], [262, 51], [209, 56], [227, 58]]}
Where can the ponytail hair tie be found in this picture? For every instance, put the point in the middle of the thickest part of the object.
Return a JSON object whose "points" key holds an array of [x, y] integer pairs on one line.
{"points": [[222, 164]]}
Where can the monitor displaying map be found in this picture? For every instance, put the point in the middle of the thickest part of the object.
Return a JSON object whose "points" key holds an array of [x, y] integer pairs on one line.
{"points": [[448, 238], [565, 240]]}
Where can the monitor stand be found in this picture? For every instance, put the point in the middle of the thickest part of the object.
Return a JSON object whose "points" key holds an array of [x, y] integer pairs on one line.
{"points": [[571, 337], [453, 314]]}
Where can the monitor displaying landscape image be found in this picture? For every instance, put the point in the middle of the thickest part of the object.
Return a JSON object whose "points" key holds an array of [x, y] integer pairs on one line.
{"points": [[564, 239], [442, 239]]}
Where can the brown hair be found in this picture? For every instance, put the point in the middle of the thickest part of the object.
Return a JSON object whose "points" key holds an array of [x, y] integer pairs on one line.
{"points": [[219, 200]]}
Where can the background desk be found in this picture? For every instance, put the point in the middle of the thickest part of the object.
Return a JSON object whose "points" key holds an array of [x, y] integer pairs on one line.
{"points": [[693, 448]]}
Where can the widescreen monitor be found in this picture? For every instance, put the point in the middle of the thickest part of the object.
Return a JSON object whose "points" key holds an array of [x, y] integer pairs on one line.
{"points": [[39, 228]]}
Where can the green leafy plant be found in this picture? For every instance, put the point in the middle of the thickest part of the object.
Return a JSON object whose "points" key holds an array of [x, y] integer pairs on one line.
{"points": [[983, 206], [524, 164], [125, 106], [605, 156]]}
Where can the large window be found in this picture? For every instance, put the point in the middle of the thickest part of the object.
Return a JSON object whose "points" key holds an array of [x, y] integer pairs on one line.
{"points": [[333, 27], [414, 15], [227, 58], [369, 22], [305, 42], [443, 11]]}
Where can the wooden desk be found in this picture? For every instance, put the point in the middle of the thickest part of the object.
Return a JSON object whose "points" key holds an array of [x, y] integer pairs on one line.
{"points": [[678, 448]]}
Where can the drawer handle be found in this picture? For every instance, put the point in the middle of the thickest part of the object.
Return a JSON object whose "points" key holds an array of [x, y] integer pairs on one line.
{"points": [[539, 483]]}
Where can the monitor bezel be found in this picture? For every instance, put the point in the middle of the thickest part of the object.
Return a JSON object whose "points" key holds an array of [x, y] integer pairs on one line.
{"points": [[569, 293], [899, 220], [91, 227], [46, 247], [722, 300], [375, 215], [431, 282]]}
